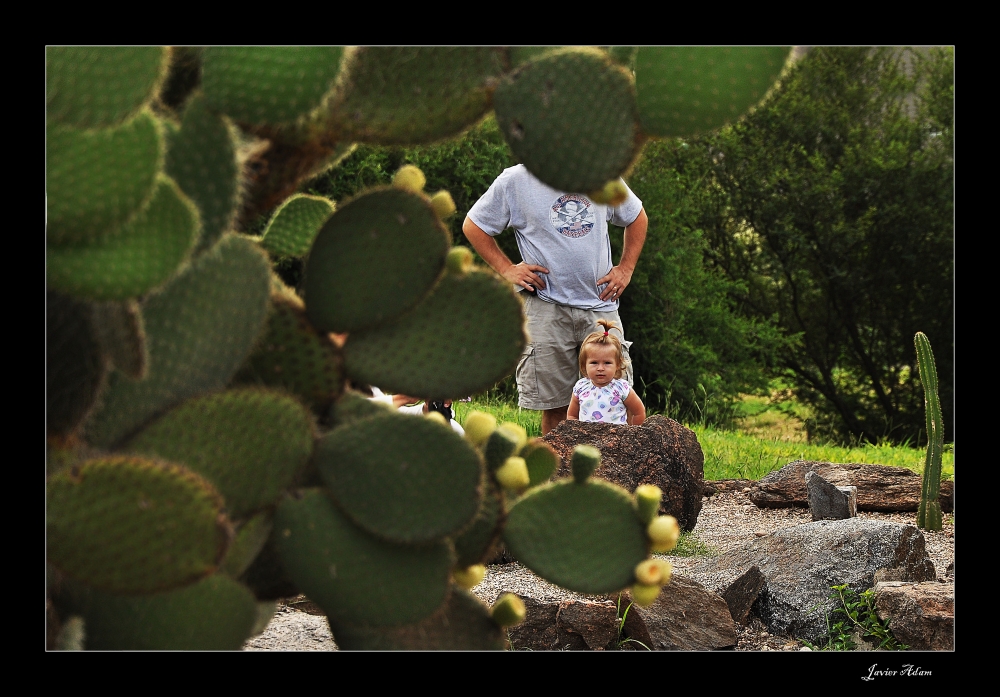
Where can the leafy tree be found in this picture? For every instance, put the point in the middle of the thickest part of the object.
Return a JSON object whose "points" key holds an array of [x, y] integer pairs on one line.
{"points": [[694, 352], [841, 188]]}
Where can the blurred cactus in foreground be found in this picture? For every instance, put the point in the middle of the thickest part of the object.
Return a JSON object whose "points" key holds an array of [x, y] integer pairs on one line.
{"points": [[205, 458]]}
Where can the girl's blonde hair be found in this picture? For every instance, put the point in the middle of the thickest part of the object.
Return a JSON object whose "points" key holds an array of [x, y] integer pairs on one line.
{"points": [[604, 337]]}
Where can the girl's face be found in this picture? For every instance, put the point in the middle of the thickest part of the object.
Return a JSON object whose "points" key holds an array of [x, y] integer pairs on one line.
{"points": [[602, 363]]}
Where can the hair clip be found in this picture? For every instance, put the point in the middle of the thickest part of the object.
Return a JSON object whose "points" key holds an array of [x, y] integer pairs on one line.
{"points": [[605, 333]]}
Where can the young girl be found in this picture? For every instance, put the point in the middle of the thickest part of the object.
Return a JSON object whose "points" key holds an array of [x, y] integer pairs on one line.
{"points": [[603, 395]]}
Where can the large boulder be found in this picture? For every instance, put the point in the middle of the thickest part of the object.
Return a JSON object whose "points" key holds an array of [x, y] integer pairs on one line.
{"points": [[686, 616], [880, 487], [800, 564], [660, 452], [568, 625], [921, 615]]}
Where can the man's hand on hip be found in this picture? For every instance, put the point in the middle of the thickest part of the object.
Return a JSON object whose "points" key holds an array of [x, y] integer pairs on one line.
{"points": [[524, 275], [617, 280]]}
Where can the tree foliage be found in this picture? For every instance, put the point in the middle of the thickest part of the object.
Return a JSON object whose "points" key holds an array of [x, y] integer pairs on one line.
{"points": [[841, 230]]}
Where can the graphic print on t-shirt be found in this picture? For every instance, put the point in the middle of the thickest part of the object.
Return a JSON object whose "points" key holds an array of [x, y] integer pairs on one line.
{"points": [[572, 216]]}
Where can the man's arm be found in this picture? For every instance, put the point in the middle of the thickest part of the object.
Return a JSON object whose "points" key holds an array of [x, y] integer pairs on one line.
{"points": [[519, 274], [620, 276]]}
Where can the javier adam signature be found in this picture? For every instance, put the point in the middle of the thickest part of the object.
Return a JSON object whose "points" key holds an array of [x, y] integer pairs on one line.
{"points": [[908, 669]]}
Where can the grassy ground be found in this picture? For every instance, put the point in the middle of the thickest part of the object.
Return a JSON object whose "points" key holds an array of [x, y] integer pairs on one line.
{"points": [[769, 435]]}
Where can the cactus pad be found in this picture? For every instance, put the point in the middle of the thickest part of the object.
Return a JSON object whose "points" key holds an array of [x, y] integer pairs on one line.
{"points": [[355, 577], [542, 461], [463, 624], [201, 328], [543, 110], [100, 86], [295, 225], [247, 544], [293, 356], [214, 614], [267, 84], [681, 91], [584, 537], [146, 252], [463, 338], [374, 259], [97, 180], [250, 443], [352, 406], [403, 478], [123, 335], [133, 525], [201, 157], [474, 543], [408, 95], [75, 362]]}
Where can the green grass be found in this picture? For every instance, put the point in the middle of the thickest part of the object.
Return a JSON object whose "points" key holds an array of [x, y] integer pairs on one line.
{"points": [[752, 451]]}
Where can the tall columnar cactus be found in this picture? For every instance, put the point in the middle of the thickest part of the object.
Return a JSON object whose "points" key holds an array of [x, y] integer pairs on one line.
{"points": [[929, 510], [205, 458]]}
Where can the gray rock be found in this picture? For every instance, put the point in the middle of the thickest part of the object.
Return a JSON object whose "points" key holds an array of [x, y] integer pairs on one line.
{"points": [[801, 563], [738, 587], [830, 502], [921, 615], [573, 625], [686, 616], [880, 487], [660, 452]]}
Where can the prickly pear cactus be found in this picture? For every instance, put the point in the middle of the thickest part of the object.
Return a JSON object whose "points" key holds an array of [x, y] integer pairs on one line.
{"points": [[204, 457]]}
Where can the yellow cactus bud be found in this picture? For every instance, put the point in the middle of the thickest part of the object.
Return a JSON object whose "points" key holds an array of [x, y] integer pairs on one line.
{"points": [[513, 474], [643, 595], [663, 533], [409, 177], [666, 570], [612, 193], [459, 260], [508, 610], [437, 416], [648, 573], [471, 577], [478, 427], [517, 433], [647, 500], [443, 204]]}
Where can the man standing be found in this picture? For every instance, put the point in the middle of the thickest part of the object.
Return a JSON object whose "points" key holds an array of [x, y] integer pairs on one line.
{"points": [[567, 275]]}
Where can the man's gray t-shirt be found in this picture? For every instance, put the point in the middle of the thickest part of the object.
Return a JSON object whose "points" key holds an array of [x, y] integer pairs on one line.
{"points": [[564, 232]]}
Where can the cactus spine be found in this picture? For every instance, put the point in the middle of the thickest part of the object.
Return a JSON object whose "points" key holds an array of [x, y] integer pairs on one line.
{"points": [[929, 510]]}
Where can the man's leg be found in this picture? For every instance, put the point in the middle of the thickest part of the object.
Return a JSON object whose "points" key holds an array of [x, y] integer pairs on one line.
{"points": [[552, 418]]}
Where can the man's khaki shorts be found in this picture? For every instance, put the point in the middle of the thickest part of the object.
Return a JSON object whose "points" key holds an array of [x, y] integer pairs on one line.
{"points": [[550, 364]]}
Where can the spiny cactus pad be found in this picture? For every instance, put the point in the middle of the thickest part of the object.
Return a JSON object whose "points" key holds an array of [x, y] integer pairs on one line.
{"points": [[249, 540], [214, 614], [547, 114], [463, 338], [355, 577], [249, 443], [584, 537], [408, 95], [123, 335], [134, 525], [97, 180], [268, 84], [401, 477], [353, 406], [201, 327], [295, 225], [474, 543], [463, 624], [374, 259], [201, 157], [682, 91], [293, 356], [100, 86], [146, 252], [75, 362], [541, 459]]}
